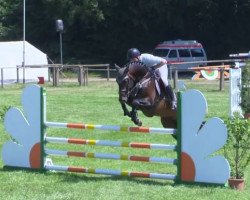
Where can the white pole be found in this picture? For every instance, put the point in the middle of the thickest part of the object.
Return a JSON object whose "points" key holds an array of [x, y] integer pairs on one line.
{"points": [[23, 64]]}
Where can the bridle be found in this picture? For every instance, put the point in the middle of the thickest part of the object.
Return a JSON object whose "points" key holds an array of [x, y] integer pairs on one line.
{"points": [[133, 91]]}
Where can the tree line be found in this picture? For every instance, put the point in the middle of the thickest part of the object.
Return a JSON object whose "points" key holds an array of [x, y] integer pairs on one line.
{"points": [[102, 30]]}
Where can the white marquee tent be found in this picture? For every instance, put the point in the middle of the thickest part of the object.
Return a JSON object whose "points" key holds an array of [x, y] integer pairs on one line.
{"points": [[11, 56]]}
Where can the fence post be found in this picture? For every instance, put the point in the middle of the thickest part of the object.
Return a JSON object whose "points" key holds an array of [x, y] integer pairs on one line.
{"points": [[108, 74], [222, 83], [23, 66], [80, 75], [49, 73], [17, 74], [2, 77], [175, 78], [87, 76], [55, 76], [84, 76]]}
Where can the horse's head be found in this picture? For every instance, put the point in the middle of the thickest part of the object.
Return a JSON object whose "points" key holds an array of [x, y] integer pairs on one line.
{"points": [[127, 77], [123, 82]]}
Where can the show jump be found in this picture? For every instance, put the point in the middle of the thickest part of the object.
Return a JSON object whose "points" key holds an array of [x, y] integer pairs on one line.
{"points": [[196, 141]]}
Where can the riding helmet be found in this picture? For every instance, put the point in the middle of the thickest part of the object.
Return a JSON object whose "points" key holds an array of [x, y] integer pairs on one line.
{"points": [[133, 53]]}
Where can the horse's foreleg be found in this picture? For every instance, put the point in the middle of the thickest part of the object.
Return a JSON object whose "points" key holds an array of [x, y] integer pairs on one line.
{"points": [[133, 114], [125, 110], [134, 117]]}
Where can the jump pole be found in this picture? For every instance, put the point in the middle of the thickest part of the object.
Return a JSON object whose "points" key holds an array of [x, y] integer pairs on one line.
{"points": [[115, 128]]}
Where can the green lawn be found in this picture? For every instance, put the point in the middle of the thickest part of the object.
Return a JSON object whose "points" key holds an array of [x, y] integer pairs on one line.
{"points": [[98, 104]]}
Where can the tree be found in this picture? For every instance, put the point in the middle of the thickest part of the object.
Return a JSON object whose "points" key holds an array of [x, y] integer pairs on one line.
{"points": [[103, 30], [10, 19]]}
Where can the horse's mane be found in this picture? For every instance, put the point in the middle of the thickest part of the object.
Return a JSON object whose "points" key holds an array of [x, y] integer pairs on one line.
{"points": [[136, 66], [137, 69]]}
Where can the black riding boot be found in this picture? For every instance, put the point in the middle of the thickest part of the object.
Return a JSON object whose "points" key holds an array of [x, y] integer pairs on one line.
{"points": [[172, 97]]}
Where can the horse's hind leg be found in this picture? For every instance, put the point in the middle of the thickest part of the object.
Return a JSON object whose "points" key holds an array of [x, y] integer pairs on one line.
{"points": [[168, 122]]}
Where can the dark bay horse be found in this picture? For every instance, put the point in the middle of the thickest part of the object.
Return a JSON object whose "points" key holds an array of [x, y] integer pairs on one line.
{"points": [[137, 88]]}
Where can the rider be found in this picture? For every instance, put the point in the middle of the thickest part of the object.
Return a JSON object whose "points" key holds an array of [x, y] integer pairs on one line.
{"points": [[160, 66]]}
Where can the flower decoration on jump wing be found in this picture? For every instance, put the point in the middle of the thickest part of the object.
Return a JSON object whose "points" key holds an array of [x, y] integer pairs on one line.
{"points": [[24, 148], [200, 141]]}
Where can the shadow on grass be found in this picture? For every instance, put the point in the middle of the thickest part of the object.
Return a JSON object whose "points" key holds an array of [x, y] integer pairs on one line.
{"points": [[74, 178], [71, 177], [215, 90], [79, 177]]}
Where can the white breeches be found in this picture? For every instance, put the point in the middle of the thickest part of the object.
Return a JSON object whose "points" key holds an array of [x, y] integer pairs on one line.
{"points": [[163, 73]]}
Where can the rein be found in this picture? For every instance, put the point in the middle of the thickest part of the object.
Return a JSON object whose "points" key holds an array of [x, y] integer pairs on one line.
{"points": [[131, 76]]}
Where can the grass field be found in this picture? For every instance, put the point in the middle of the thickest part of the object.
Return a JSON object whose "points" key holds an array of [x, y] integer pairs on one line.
{"points": [[98, 104]]}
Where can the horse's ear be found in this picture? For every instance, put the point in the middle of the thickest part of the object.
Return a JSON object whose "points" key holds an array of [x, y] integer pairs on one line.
{"points": [[117, 67]]}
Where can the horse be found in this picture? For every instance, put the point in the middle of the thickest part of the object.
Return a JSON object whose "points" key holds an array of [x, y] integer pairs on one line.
{"points": [[138, 89]]}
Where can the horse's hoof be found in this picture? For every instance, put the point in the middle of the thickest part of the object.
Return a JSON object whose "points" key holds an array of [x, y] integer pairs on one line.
{"points": [[139, 123]]}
